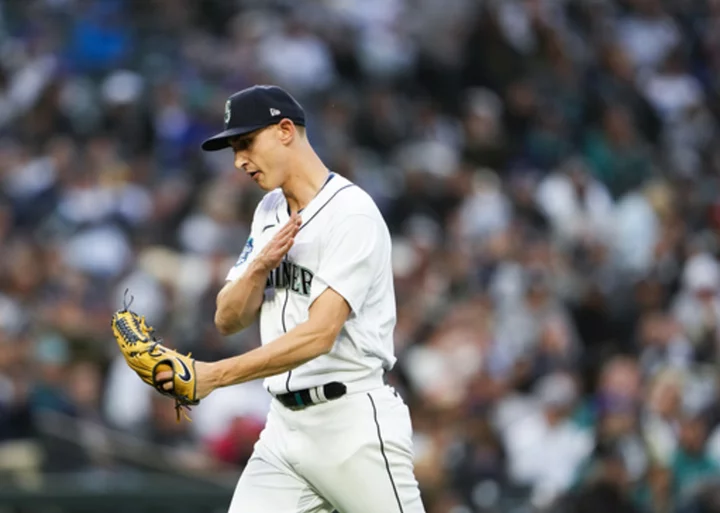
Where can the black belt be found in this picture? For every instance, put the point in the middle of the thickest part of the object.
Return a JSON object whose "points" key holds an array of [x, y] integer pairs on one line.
{"points": [[310, 396]]}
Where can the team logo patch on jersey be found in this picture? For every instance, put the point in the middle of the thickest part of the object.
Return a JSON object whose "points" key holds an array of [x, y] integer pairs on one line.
{"points": [[245, 252]]}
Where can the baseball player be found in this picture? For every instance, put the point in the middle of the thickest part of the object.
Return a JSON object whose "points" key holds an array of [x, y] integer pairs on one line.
{"points": [[316, 270]]}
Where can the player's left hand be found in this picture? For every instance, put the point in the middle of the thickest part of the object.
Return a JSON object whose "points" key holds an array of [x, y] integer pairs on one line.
{"points": [[149, 358], [203, 382]]}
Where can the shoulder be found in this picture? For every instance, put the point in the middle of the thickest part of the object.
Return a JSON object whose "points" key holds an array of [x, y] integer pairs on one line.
{"points": [[352, 200], [355, 213], [266, 210], [269, 204]]}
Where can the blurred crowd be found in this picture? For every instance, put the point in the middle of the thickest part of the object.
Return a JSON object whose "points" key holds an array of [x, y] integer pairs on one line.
{"points": [[550, 173]]}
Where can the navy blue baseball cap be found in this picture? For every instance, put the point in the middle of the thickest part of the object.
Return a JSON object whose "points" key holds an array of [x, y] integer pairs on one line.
{"points": [[252, 109]]}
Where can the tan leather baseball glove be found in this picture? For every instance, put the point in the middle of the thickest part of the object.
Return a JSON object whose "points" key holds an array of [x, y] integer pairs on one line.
{"points": [[145, 354]]}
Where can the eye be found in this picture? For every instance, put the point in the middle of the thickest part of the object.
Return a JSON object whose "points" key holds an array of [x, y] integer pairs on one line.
{"points": [[242, 144]]}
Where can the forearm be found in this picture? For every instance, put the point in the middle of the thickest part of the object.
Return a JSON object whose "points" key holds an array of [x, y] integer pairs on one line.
{"points": [[239, 303], [300, 345]]}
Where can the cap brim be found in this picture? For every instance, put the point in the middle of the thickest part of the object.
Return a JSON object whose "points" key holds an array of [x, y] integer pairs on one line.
{"points": [[221, 141]]}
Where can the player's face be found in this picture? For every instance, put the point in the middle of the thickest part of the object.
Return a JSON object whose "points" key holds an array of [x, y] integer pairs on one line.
{"points": [[262, 155], [248, 151]]}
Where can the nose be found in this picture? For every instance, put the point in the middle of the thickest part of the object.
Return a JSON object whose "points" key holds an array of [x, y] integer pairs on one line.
{"points": [[240, 161]]}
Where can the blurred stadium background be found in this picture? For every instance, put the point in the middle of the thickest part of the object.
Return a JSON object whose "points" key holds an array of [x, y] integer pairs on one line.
{"points": [[550, 171]]}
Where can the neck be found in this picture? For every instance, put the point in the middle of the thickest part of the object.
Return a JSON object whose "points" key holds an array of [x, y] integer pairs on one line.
{"points": [[307, 176]]}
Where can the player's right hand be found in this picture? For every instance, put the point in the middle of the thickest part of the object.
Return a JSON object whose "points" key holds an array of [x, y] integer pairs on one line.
{"points": [[273, 253]]}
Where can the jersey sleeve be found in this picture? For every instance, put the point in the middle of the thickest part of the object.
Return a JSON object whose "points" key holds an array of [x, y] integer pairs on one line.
{"points": [[351, 258], [249, 252], [246, 256]]}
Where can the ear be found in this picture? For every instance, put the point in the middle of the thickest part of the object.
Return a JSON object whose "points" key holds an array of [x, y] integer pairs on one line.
{"points": [[287, 131]]}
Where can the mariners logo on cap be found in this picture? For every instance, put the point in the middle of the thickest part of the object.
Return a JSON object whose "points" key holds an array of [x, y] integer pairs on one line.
{"points": [[227, 112]]}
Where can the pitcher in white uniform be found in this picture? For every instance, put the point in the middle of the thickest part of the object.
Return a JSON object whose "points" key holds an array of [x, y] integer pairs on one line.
{"points": [[316, 269]]}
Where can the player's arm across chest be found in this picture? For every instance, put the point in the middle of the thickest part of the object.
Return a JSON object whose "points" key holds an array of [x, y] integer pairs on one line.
{"points": [[239, 301], [305, 342]]}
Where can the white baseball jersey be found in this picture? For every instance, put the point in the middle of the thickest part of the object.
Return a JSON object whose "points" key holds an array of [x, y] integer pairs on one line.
{"points": [[343, 243]]}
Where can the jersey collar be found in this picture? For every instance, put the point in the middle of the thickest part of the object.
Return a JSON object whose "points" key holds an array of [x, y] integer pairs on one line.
{"points": [[331, 185]]}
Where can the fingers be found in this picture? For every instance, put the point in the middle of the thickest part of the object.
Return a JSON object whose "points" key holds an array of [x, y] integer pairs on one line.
{"points": [[282, 236], [164, 375], [291, 227], [283, 245], [284, 248], [167, 378], [283, 240], [280, 244]]}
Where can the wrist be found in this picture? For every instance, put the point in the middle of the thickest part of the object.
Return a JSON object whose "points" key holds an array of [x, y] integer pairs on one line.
{"points": [[209, 377], [227, 372], [259, 269]]}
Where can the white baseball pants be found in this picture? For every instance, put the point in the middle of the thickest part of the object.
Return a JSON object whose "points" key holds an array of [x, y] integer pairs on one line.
{"points": [[350, 455]]}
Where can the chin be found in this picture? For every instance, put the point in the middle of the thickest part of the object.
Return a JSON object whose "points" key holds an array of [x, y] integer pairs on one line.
{"points": [[264, 185]]}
